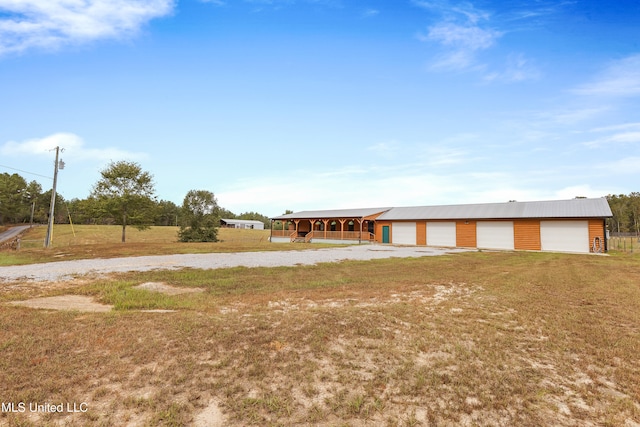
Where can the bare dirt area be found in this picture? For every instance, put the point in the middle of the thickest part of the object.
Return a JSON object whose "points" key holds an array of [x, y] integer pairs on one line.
{"points": [[65, 302], [470, 339], [166, 289], [88, 304]]}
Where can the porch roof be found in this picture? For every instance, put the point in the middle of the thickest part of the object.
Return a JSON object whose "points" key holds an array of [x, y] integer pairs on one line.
{"points": [[334, 213]]}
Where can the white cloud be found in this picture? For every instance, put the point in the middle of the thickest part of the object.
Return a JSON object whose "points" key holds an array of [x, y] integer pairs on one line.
{"points": [[616, 139], [620, 79], [572, 116], [322, 190], [580, 191], [385, 149], [518, 69], [466, 9], [625, 166], [463, 36], [441, 157], [370, 13], [421, 182], [74, 147], [462, 43], [464, 32], [621, 134], [50, 24], [456, 61], [624, 126]]}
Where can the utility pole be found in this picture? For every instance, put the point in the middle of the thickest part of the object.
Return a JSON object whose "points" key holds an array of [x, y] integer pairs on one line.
{"points": [[33, 208], [47, 240]]}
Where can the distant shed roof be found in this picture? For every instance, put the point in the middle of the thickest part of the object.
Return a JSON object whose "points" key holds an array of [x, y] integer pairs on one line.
{"points": [[575, 208], [241, 221], [334, 213]]}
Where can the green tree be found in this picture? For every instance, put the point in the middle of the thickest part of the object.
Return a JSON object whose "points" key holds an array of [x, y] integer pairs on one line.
{"points": [[200, 217], [126, 193], [43, 205], [226, 213], [30, 200], [167, 213], [83, 211], [619, 205], [11, 197], [634, 211], [279, 225]]}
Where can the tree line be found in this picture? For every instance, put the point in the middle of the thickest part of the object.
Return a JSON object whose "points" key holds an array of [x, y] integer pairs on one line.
{"points": [[124, 195], [626, 213]]}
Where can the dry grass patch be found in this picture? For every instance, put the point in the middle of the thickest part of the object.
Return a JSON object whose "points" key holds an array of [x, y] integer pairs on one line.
{"points": [[470, 339]]}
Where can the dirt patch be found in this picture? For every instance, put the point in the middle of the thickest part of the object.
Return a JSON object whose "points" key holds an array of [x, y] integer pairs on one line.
{"points": [[211, 416], [87, 304], [167, 289], [65, 302]]}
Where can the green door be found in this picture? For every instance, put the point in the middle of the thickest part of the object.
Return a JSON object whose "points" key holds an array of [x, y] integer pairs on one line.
{"points": [[385, 234]]}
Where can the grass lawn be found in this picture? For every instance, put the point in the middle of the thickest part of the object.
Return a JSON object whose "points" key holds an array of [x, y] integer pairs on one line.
{"points": [[480, 338]]}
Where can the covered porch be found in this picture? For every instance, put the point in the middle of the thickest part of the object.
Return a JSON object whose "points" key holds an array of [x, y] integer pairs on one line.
{"points": [[340, 226]]}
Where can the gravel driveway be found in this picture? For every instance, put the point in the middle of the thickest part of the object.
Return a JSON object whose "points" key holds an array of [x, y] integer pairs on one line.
{"points": [[63, 270], [12, 232]]}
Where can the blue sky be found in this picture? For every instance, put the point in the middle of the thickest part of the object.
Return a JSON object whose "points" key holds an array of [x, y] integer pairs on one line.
{"points": [[314, 104]]}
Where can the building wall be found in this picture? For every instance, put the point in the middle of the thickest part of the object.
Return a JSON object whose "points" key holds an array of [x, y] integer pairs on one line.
{"points": [[421, 233], [596, 229], [304, 225], [378, 232], [466, 234], [526, 234]]}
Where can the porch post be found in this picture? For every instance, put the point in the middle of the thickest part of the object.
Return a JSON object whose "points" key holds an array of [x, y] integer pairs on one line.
{"points": [[312, 223], [360, 237], [342, 221], [326, 222]]}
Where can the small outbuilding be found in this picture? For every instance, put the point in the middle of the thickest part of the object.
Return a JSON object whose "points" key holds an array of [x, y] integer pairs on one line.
{"points": [[242, 223], [576, 225]]}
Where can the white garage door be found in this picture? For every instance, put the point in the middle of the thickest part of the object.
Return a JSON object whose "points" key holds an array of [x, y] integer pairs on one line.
{"points": [[403, 233], [495, 234], [441, 234], [564, 236]]}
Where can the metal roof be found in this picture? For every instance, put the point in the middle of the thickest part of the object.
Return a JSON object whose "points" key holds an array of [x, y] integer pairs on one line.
{"points": [[334, 213], [241, 221], [575, 208]]}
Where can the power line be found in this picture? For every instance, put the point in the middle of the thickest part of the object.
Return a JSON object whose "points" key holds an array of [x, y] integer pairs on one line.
{"points": [[23, 171]]}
